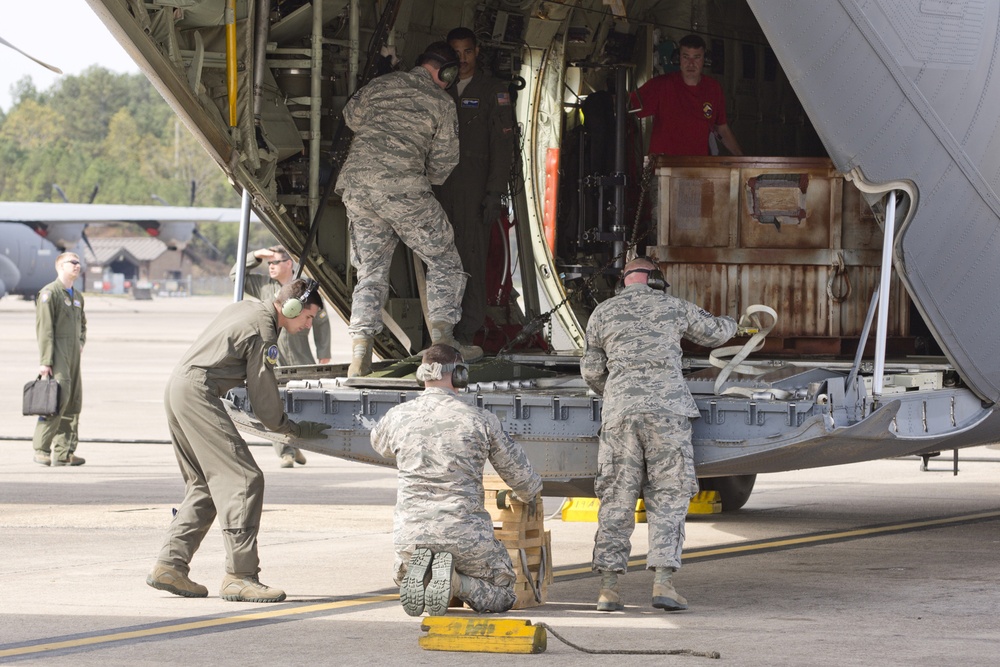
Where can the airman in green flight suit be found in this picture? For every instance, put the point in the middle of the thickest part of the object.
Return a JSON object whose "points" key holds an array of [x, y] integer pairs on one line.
{"points": [[61, 328]]}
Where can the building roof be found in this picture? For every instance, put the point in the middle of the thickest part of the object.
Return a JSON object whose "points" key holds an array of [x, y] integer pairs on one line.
{"points": [[137, 248]]}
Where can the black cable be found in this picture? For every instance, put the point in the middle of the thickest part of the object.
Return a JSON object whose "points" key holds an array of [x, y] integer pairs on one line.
{"points": [[715, 655]]}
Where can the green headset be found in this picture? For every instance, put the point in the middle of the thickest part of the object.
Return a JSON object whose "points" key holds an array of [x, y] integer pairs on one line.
{"points": [[293, 306], [654, 277], [448, 68]]}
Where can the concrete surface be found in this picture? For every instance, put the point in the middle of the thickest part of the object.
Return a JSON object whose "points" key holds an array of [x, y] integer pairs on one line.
{"points": [[875, 563]]}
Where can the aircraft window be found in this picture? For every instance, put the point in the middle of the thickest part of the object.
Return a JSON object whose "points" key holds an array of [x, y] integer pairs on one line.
{"points": [[749, 61]]}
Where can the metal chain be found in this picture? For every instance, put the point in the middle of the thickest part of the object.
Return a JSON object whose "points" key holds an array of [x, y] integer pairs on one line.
{"points": [[539, 321], [715, 655]]}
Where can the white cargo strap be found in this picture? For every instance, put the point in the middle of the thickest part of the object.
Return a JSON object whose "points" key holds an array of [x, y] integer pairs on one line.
{"points": [[718, 357]]}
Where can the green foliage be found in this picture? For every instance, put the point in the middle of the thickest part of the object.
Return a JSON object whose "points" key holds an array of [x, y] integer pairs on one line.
{"points": [[108, 130]]}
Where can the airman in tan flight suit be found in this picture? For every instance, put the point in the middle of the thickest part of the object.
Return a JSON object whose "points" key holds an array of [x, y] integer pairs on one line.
{"points": [[220, 475]]}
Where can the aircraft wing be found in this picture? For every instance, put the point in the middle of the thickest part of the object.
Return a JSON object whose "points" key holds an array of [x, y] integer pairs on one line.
{"points": [[50, 212], [904, 90]]}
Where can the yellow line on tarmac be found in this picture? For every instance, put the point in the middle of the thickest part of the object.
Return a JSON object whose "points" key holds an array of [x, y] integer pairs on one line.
{"points": [[193, 625], [804, 540], [757, 547]]}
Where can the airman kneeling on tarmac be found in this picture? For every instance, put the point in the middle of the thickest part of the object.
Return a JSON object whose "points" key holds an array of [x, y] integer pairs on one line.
{"points": [[220, 475], [445, 546]]}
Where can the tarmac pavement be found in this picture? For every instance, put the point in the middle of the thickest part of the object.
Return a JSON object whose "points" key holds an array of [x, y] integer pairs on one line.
{"points": [[873, 563]]}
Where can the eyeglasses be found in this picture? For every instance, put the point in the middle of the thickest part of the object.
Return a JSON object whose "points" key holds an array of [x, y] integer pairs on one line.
{"points": [[277, 261], [72, 261]]}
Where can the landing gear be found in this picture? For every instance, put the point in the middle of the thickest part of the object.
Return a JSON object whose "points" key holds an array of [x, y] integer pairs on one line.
{"points": [[735, 490]]}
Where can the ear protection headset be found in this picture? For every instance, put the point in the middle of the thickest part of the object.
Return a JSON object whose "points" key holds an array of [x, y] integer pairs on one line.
{"points": [[293, 306], [654, 277], [459, 373], [447, 71]]}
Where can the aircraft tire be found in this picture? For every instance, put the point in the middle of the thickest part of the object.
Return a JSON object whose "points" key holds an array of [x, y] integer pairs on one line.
{"points": [[734, 489]]}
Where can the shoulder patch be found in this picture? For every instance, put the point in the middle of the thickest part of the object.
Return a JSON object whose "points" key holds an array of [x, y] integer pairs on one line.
{"points": [[704, 313], [503, 99], [271, 355], [43, 297]]}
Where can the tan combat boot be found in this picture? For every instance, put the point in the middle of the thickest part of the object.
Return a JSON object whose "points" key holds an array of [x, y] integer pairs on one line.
{"points": [[418, 574], [609, 599], [361, 357], [248, 588], [664, 594], [166, 577], [444, 333]]}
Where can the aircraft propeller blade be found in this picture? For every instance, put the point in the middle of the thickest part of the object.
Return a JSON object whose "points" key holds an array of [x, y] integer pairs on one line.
{"points": [[61, 193], [93, 194], [83, 235], [45, 65]]}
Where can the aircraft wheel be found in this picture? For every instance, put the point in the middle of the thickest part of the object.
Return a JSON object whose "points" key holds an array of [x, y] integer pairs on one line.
{"points": [[735, 489]]}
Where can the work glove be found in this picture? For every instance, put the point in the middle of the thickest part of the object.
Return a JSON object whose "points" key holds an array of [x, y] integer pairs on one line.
{"points": [[309, 430], [493, 208]]}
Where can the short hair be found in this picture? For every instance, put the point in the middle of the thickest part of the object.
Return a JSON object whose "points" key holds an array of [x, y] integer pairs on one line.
{"points": [[63, 257], [692, 42], [642, 262], [438, 52], [456, 34], [295, 289], [441, 354], [280, 250]]}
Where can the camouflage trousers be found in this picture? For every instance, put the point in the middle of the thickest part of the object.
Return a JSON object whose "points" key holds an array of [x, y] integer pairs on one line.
{"points": [[378, 221], [485, 562], [651, 455]]}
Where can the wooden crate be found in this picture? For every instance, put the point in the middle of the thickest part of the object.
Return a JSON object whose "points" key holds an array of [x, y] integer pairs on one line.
{"points": [[522, 528]]}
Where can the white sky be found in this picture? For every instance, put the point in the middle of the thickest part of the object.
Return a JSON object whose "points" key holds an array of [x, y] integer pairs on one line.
{"points": [[64, 33]]}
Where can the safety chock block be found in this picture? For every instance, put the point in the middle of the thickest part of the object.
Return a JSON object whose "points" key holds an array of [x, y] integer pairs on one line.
{"points": [[585, 509], [705, 502], [482, 635]]}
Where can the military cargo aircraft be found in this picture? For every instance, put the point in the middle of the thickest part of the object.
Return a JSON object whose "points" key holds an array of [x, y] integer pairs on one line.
{"points": [[32, 234], [866, 218]]}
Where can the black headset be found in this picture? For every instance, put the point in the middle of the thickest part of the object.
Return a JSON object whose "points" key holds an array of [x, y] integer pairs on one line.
{"points": [[447, 71], [654, 277], [293, 306], [459, 373]]}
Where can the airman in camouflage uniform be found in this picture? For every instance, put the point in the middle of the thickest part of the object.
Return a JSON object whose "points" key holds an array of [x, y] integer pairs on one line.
{"points": [[293, 349], [220, 475], [633, 359], [441, 446], [61, 328], [405, 141]]}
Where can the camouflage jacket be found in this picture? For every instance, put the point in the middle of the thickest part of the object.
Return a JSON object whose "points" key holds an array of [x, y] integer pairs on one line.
{"points": [[405, 134], [633, 355], [441, 446]]}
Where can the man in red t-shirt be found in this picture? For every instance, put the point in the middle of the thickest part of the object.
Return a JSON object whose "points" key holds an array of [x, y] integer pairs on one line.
{"points": [[686, 107]]}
